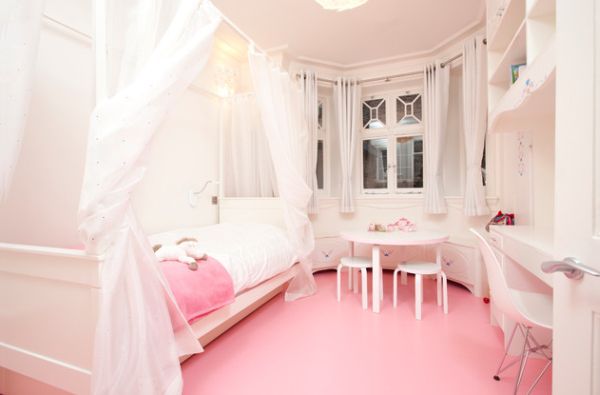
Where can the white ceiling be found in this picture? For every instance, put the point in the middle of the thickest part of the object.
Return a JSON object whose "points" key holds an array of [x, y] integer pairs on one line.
{"points": [[377, 30]]}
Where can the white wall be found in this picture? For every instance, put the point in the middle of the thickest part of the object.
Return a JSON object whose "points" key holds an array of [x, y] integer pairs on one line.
{"points": [[42, 204], [183, 156]]}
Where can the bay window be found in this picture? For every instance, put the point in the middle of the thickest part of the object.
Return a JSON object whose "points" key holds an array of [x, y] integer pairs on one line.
{"points": [[392, 143]]}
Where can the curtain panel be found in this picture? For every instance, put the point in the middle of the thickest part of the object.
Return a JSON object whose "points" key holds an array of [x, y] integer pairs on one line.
{"points": [[247, 165], [311, 109], [285, 127], [437, 79], [346, 93], [140, 332], [475, 123], [20, 23]]}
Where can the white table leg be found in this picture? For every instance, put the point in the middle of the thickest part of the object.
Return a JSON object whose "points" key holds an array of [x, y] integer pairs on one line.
{"points": [[418, 295], [403, 278], [376, 279], [438, 262], [350, 270]]}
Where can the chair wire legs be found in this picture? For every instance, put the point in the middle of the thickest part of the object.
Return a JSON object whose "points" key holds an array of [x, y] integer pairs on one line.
{"points": [[523, 363], [530, 346], [500, 368]]}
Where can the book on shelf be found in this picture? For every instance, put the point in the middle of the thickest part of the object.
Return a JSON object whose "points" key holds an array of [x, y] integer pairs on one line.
{"points": [[516, 70]]}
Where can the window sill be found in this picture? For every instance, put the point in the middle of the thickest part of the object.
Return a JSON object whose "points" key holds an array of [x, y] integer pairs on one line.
{"points": [[400, 197]]}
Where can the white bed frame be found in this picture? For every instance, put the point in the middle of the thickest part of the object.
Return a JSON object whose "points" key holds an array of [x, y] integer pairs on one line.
{"points": [[49, 299]]}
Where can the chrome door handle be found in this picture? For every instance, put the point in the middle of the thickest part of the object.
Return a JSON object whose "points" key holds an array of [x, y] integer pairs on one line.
{"points": [[571, 267]]}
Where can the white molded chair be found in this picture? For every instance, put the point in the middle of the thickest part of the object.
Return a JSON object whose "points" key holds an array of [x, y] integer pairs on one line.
{"points": [[352, 263], [527, 309], [420, 269]]}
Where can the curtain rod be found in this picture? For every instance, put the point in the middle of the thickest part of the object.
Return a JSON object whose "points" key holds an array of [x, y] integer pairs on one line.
{"points": [[240, 31], [65, 26], [225, 19], [395, 76]]}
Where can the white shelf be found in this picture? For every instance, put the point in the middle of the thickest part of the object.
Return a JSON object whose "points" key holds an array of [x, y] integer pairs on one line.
{"points": [[532, 96], [516, 53], [541, 8], [513, 15]]}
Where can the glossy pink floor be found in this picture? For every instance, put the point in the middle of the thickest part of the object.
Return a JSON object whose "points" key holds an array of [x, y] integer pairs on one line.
{"points": [[319, 346]]}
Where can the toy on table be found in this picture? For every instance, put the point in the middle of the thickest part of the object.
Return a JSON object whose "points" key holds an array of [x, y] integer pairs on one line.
{"points": [[402, 224], [501, 219]]}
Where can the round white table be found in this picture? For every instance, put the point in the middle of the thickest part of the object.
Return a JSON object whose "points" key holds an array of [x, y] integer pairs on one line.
{"points": [[396, 238]]}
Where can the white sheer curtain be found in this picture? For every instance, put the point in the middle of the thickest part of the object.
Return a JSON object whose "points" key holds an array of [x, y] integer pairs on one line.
{"points": [[437, 82], [475, 123], [248, 168], [346, 94], [136, 345], [280, 104], [311, 110], [20, 23]]}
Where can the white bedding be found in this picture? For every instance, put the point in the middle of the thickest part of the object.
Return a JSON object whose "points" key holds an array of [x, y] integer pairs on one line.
{"points": [[251, 253]]}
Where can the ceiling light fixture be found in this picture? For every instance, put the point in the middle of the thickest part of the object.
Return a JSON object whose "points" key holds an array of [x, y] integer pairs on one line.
{"points": [[340, 5]]}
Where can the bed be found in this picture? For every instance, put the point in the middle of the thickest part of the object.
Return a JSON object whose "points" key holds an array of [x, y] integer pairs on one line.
{"points": [[49, 296]]}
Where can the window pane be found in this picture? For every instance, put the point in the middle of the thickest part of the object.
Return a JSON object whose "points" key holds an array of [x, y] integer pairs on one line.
{"points": [[409, 162], [320, 115], [483, 164], [375, 164], [320, 174], [409, 109], [373, 114]]}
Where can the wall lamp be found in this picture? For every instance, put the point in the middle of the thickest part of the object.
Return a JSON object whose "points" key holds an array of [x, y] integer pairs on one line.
{"points": [[194, 196]]}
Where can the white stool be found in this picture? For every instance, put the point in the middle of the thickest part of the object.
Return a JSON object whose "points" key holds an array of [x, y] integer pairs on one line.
{"points": [[420, 269], [354, 262]]}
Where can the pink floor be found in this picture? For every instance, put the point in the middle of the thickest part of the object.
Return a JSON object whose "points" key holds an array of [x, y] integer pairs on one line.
{"points": [[319, 346]]}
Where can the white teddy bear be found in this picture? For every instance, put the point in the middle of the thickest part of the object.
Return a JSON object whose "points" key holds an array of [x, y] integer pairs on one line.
{"points": [[185, 251]]}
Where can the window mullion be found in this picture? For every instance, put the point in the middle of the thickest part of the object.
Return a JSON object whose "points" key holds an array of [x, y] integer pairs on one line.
{"points": [[392, 162]]}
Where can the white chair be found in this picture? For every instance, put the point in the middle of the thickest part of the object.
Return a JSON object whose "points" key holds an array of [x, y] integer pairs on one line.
{"points": [[527, 309], [359, 263], [420, 269]]}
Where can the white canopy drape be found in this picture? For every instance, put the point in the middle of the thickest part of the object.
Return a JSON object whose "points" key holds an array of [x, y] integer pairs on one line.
{"points": [[346, 94], [437, 80], [311, 110], [164, 47], [475, 123], [279, 100], [20, 23], [247, 165]]}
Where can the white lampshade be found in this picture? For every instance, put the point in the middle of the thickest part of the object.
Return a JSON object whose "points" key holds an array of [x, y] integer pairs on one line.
{"points": [[340, 5]]}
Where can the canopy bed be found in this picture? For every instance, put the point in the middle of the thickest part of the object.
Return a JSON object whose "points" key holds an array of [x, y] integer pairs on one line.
{"points": [[90, 304]]}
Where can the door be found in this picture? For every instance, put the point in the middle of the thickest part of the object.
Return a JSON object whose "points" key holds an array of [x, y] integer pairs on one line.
{"points": [[576, 337]]}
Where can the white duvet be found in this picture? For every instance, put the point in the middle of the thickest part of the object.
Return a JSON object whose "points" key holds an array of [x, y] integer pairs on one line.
{"points": [[251, 253]]}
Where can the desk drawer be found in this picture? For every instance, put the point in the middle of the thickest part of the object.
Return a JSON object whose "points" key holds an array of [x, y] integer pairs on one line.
{"points": [[458, 263], [495, 239]]}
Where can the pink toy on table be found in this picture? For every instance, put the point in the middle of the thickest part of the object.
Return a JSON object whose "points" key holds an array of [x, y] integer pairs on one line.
{"points": [[402, 224]]}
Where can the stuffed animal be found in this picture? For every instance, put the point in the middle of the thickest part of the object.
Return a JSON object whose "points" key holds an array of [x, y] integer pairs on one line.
{"points": [[191, 248], [174, 253], [185, 251]]}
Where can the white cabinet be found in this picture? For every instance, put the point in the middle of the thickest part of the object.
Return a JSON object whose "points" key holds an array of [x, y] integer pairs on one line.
{"points": [[461, 261]]}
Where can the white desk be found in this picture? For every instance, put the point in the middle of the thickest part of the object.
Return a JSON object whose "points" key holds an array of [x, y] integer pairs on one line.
{"points": [[525, 247], [398, 238]]}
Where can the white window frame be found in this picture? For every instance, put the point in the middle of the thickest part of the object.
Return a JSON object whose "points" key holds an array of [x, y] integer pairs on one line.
{"points": [[392, 130], [323, 134]]}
